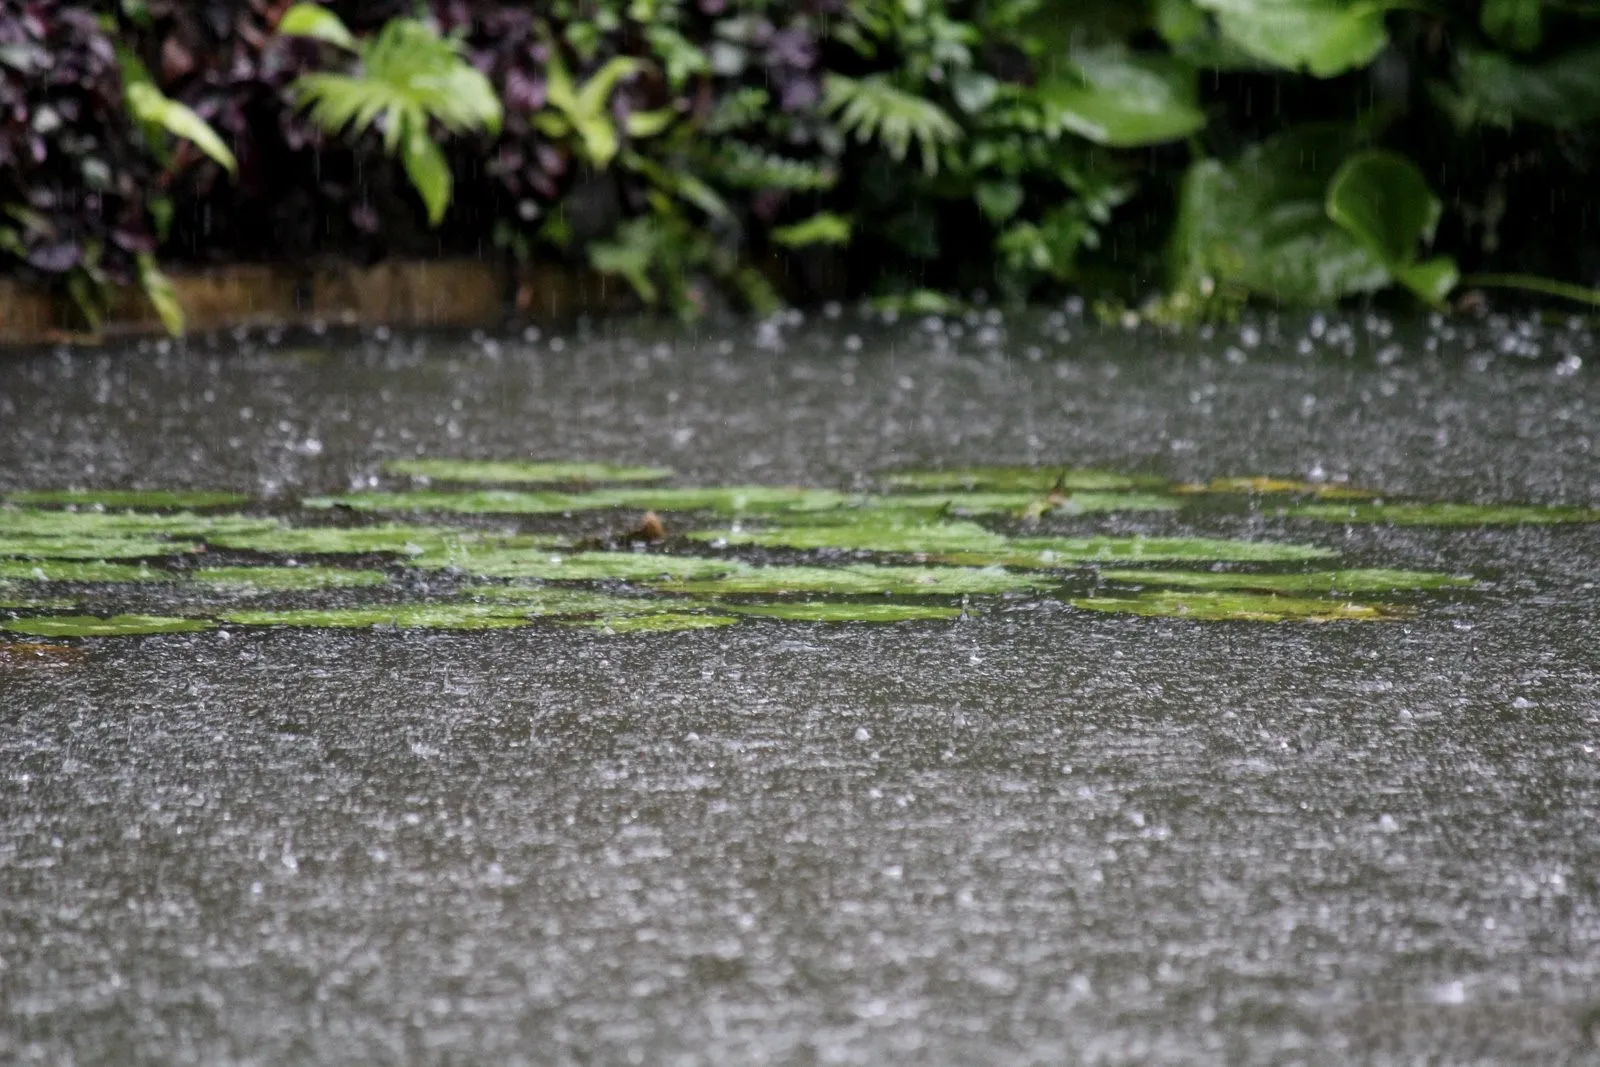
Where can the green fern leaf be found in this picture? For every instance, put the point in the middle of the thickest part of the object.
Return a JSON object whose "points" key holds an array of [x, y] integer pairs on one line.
{"points": [[873, 109], [409, 77], [743, 167]]}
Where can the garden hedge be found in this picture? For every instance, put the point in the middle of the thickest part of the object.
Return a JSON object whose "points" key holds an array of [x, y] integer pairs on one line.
{"points": [[1205, 152]]}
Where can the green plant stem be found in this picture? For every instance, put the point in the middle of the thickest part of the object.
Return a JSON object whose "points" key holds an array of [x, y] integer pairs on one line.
{"points": [[1534, 284]]}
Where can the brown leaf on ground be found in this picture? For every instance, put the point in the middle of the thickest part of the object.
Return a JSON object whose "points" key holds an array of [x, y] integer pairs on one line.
{"points": [[651, 531], [37, 654]]}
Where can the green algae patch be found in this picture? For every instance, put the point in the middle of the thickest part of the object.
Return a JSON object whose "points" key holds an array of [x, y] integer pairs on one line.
{"points": [[37, 522], [840, 611], [514, 472], [401, 539], [94, 626], [1037, 480], [286, 579], [735, 500], [890, 535], [78, 571], [665, 622], [16, 603], [1046, 553], [476, 502], [864, 579], [585, 566], [1322, 583], [86, 548], [1239, 607], [1260, 486], [732, 500], [128, 498], [402, 616], [1032, 505], [562, 600], [1442, 514]]}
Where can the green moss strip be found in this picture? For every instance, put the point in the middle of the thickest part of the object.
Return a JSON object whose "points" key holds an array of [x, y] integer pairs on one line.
{"points": [[1323, 583], [46, 570], [863, 579], [1030, 504], [405, 616], [887, 536], [129, 498], [582, 566], [276, 579], [831, 611], [753, 499], [666, 622], [115, 626], [1238, 607], [92, 548], [1035, 480], [513, 472], [1442, 514], [1046, 551]]}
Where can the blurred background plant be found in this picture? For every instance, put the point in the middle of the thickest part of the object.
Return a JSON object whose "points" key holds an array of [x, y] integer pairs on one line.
{"points": [[1185, 155]]}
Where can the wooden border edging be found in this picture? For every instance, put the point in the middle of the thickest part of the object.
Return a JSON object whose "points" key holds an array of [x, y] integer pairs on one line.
{"points": [[398, 293]]}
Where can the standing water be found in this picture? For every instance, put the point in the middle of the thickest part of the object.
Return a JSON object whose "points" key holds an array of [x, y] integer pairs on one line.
{"points": [[940, 718]]}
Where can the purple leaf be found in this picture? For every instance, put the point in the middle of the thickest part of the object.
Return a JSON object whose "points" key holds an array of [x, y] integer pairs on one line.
{"points": [[524, 93], [56, 258]]}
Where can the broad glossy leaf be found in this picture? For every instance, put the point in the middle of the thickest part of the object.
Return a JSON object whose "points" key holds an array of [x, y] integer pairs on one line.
{"points": [[1383, 200], [1514, 24], [1113, 97], [316, 21], [1562, 91], [162, 296], [1322, 37], [429, 173], [1432, 280], [1259, 224], [149, 105]]}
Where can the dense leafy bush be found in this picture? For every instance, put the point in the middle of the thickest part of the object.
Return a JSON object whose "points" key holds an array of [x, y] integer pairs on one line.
{"points": [[1215, 151]]}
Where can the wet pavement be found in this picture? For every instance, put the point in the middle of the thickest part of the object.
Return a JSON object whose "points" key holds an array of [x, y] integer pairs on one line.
{"points": [[1036, 836]]}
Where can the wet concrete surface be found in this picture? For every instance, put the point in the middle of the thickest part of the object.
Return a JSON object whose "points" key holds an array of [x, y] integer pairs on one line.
{"points": [[1038, 836]]}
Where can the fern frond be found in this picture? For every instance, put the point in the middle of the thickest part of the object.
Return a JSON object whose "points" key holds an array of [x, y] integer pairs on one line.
{"points": [[428, 71], [741, 166], [739, 109], [872, 108]]}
